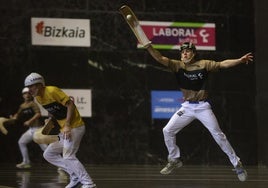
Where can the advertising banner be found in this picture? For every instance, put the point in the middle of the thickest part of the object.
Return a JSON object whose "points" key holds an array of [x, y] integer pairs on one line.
{"points": [[82, 99], [60, 32], [170, 35], [165, 103]]}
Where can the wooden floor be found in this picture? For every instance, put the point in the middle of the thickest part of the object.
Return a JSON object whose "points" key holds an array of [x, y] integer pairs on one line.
{"points": [[135, 176]]}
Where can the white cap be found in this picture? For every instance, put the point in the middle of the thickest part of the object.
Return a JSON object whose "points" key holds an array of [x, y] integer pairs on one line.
{"points": [[34, 78], [25, 90]]}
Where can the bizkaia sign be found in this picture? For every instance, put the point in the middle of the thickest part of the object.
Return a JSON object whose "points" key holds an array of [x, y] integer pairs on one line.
{"points": [[60, 32]]}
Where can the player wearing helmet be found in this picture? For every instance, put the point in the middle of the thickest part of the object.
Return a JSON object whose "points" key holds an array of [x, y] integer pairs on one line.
{"points": [[192, 77], [62, 153], [32, 79]]}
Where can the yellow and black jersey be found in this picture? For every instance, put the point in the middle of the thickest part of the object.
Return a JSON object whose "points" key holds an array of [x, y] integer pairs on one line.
{"points": [[192, 78], [26, 111], [54, 100]]}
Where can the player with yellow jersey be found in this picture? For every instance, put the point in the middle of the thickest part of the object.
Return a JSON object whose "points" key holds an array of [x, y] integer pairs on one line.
{"points": [[62, 153]]}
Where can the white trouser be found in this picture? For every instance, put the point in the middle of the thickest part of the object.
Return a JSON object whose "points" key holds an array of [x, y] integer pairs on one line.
{"points": [[63, 154], [185, 115], [26, 138]]}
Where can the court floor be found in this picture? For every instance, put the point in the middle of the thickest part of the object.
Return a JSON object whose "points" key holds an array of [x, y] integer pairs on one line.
{"points": [[135, 176]]}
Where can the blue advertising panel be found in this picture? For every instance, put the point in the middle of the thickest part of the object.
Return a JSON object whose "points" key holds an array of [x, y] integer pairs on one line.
{"points": [[165, 103]]}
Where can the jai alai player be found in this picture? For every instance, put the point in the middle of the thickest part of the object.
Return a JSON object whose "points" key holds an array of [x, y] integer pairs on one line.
{"points": [[62, 153], [192, 76]]}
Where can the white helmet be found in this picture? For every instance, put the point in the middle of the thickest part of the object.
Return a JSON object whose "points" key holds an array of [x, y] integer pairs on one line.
{"points": [[25, 90], [34, 78]]}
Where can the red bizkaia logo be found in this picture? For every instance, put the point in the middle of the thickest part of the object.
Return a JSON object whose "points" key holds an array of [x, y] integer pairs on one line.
{"points": [[39, 27]]}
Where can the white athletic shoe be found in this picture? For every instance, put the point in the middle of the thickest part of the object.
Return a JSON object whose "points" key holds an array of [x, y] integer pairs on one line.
{"points": [[73, 183], [241, 172], [23, 165], [89, 186], [171, 166]]}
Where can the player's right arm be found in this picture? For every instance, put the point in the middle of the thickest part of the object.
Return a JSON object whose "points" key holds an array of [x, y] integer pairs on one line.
{"points": [[15, 116], [157, 55]]}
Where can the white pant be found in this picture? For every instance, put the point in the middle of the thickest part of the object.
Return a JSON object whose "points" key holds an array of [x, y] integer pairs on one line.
{"points": [[63, 154], [26, 138], [185, 115]]}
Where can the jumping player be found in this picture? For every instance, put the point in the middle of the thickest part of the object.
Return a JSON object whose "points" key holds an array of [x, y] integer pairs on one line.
{"points": [[192, 76], [62, 153]]}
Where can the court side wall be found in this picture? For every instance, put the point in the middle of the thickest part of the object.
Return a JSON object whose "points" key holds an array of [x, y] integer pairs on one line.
{"points": [[261, 28]]}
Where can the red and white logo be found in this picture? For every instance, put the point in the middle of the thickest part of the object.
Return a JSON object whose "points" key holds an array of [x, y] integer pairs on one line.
{"points": [[61, 32], [39, 27]]}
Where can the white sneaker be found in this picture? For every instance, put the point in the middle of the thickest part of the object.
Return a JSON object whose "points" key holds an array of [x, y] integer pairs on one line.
{"points": [[241, 172], [171, 166], [23, 165], [89, 186], [73, 183]]}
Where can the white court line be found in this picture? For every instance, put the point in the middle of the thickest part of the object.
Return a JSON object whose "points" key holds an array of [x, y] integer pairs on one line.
{"points": [[190, 179]]}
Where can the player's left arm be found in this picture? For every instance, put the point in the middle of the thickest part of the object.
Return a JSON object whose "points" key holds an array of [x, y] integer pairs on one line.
{"points": [[67, 125], [70, 111], [233, 62]]}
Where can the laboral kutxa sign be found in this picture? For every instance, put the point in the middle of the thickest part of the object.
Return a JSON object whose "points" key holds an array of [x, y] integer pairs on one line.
{"points": [[60, 32], [170, 35]]}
